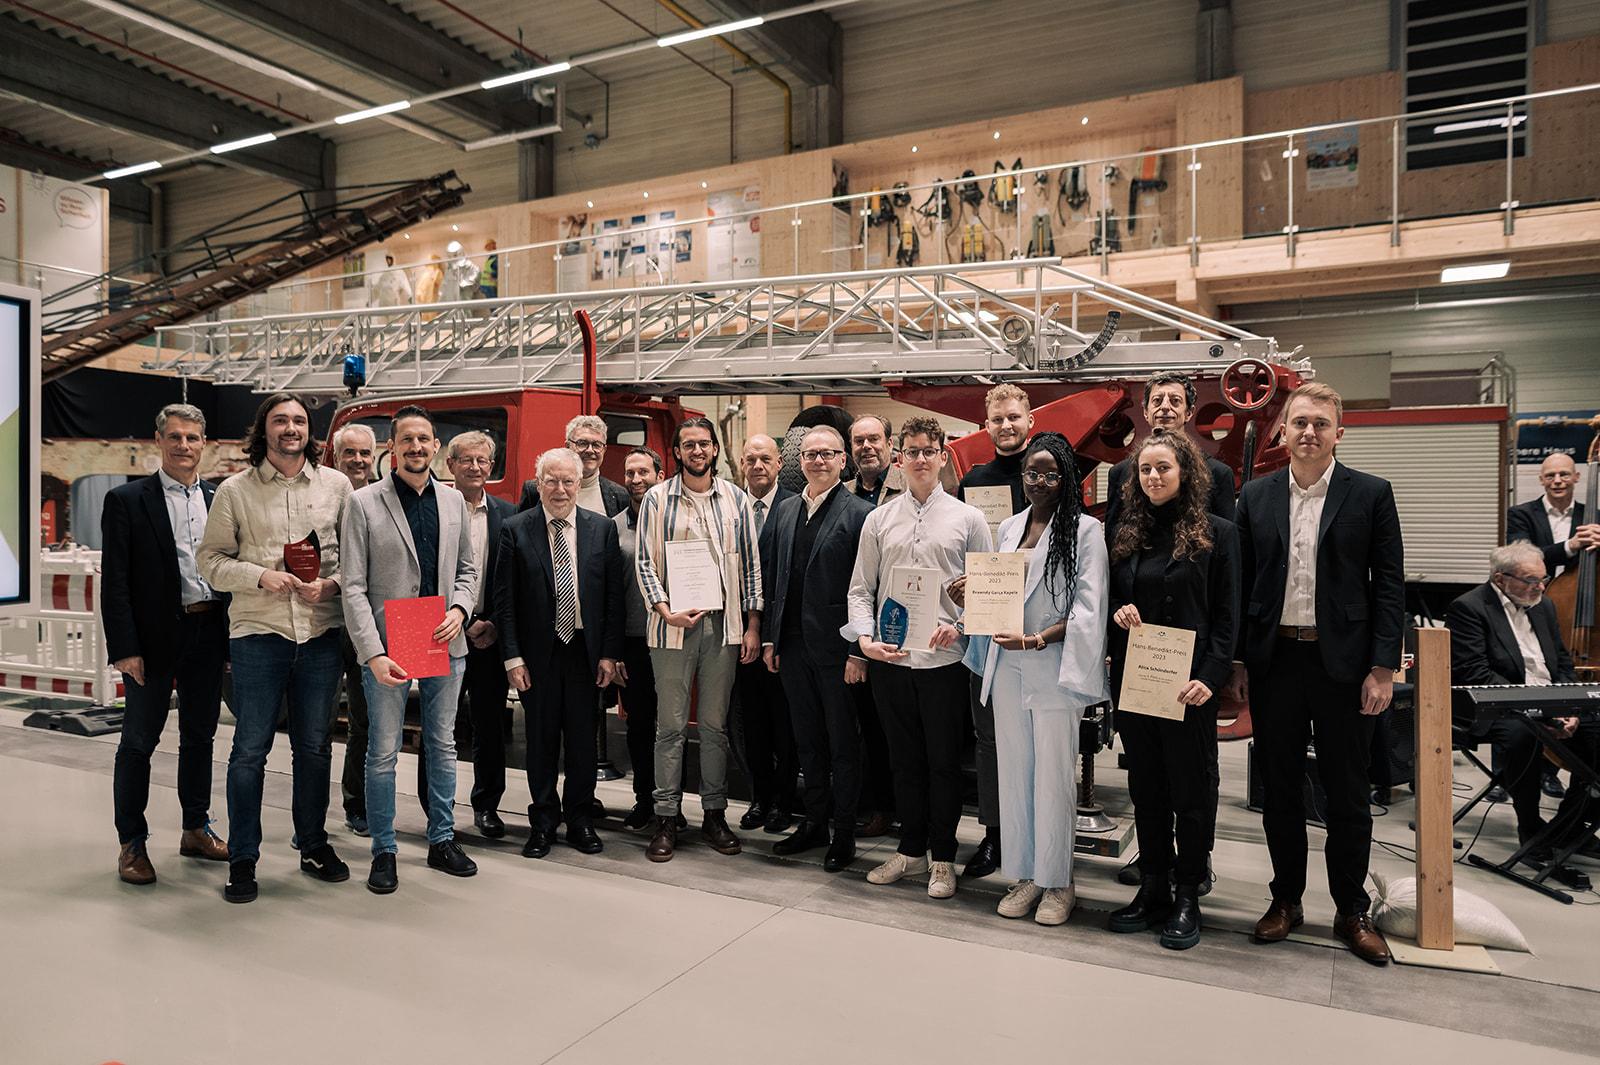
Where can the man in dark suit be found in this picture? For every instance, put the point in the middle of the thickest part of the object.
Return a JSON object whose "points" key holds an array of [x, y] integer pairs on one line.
{"points": [[559, 610], [1554, 523], [1324, 605], [808, 554], [164, 626], [1505, 632], [470, 458], [764, 724], [1169, 403], [586, 435]]}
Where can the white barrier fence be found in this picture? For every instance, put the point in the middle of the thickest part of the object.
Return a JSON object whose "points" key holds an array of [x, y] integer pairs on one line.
{"points": [[59, 650]]}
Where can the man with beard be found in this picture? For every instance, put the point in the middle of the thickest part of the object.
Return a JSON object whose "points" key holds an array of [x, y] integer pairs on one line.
{"points": [[284, 630], [408, 537], [690, 646]]}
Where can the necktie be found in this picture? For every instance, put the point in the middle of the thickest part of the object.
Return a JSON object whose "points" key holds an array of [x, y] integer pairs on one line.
{"points": [[566, 583], [761, 514]]}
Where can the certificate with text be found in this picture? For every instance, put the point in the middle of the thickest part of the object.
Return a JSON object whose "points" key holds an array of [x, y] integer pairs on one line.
{"points": [[694, 580], [995, 503], [994, 595], [917, 589], [1158, 666]]}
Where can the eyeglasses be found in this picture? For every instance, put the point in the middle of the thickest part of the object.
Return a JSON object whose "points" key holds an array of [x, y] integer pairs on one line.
{"points": [[821, 454], [587, 445], [696, 445], [1049, 480], [473, 460], [1530, 582], [915, 453]]}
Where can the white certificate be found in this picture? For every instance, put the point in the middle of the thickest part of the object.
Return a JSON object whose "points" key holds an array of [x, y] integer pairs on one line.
{"points": [[994, 598], [995, 503], [1158, 665], [917, 589], [694, 580]]}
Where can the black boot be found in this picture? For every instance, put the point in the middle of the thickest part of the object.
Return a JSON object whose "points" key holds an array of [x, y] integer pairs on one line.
{"points": [[1148, 908], [1182, 929]]}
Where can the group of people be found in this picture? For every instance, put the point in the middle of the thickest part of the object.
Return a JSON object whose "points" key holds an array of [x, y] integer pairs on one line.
{"points": [[1295, 596]]}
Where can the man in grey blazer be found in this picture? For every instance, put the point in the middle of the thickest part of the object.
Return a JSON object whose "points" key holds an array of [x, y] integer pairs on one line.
{"points": [[404, 537]]}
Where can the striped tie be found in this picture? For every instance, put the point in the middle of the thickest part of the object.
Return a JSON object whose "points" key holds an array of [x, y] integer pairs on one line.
{"points": [[566, 583]]}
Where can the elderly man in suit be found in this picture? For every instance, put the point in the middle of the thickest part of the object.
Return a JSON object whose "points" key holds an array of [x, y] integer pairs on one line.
{"points": [[165, 627], [586, 437], [1505, 631], [1554, 523], [808, 551], [560, 612], [1324, 615], [405, 537]]}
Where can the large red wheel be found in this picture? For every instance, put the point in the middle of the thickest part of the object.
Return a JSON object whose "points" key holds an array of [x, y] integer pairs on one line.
{"points": [[1248, 385]]}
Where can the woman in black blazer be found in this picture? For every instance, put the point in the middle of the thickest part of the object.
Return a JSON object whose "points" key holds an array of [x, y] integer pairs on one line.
{"points": [[1172, 564]]}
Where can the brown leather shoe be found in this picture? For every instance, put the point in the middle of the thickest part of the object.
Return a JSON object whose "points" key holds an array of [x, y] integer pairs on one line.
{"points": [[718, 834], [663, 839], [133, 864], [202, 843], [1280, 919], [1356, 931], [877, 825]]}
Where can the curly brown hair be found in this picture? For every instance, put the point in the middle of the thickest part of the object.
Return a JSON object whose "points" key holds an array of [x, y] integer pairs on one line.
{"points": [[1192, 533]]}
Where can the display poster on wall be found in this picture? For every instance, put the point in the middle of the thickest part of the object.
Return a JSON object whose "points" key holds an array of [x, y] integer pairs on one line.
{"points": [[1535, 443], [1332, 158], [683, 245], [572, 257], [355, 264], [62, 228], [733, 248], [12, 454], [605, 250], [8, 225]]}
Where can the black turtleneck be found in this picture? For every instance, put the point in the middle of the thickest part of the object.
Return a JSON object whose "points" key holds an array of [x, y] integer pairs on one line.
{"points": [[1149, 579], [1002, 469]]}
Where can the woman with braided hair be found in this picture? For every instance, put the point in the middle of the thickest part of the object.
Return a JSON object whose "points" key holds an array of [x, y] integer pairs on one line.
{"points": [[1042, 678], [1172, 564]]}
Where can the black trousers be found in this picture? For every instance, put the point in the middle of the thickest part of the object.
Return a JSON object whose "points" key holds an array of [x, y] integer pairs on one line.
{"points": [[196, 671], [924, 714], [353, 774], [1518, 760], [877, 774], [826, 735], [769, 750], [639, 702], [985, 756], [560, 709], [484, 689], [1296, 704], [1174, 792]]}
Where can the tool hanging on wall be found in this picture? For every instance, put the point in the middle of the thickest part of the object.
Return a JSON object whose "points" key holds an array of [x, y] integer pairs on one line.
{"points": [[880, 212], [1148, 179], [1043, 240], [1072, 192], [1003, 187], [972, 242], [936, 208], [968, 191], [909, 247], [900, 195], [1113, 239]]}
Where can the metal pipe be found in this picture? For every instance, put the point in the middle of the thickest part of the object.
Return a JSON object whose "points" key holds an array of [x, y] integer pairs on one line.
{"points": [[783, 86]]}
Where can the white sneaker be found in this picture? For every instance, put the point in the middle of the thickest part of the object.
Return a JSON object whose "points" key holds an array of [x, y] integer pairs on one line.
{"points": [[898, 865], [941, 880], [1020, 899], [1056, 906]]}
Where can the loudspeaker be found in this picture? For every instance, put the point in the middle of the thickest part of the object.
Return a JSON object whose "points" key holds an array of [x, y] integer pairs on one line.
{"points": [[1315, 798]]}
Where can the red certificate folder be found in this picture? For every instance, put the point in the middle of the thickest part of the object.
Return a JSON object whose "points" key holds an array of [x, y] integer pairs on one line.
{"points": [[409, 624]]}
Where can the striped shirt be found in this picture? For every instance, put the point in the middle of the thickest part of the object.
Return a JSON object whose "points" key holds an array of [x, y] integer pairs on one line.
{"points": [[723, 516]]}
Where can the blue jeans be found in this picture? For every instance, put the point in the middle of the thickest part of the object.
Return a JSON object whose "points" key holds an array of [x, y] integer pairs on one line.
{"points": [[264, 669], [386, 713]]}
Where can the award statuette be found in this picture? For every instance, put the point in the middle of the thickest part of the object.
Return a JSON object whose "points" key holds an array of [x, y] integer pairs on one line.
{"points": [[303, 558], [894, 621]]}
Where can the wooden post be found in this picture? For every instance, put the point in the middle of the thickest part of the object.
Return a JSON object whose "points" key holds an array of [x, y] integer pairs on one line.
{"points": [[1435, 859]]}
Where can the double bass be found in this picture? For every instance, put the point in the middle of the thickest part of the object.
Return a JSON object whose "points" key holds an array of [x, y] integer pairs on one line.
{"points": [[1574, 592]]}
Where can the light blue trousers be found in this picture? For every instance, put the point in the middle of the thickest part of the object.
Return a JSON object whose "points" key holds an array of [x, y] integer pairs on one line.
{"points": [[1038, 756]]}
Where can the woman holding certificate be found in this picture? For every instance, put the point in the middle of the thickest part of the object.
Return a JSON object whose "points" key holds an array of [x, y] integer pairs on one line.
{"points": [[1042, 678], [1175, 602]]}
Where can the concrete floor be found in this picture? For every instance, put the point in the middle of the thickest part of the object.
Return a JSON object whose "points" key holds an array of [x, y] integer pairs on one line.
{"points": [[704, 959]]}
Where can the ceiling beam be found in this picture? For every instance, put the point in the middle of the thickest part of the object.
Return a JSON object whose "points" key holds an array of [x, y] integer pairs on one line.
{"points": [[130, 200], [807, 44], [383, 42], [60, 74]]}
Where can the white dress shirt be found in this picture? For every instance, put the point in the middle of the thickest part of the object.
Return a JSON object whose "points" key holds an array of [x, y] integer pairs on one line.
{"points": [[1560, 523], [186, 510], [1305, 517], [570, 535], [762, 505], [813, 505], [1534, 670], [478, 526]]}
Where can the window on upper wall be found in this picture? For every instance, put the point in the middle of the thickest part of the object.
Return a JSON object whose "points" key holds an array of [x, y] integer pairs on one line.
{"points": [[1462, 52]]}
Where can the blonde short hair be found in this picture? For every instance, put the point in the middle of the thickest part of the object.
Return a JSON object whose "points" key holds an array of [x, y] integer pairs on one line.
{"points": [[470, 438], [1003, 393], [1320, 392]]}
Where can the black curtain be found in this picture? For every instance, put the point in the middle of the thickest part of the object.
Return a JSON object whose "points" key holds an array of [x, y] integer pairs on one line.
{"points": [[111, 404]]}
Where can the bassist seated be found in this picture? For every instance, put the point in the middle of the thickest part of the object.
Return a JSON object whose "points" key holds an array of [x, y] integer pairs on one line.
{"points": [[1505, 632]]}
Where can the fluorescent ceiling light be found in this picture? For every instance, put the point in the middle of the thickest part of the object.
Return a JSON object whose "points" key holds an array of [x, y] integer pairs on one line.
{"points": [[1479, 123], [125, 171], [527, 75], [373, 112], [1475, 272], [247, 142], [672, 40]]}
